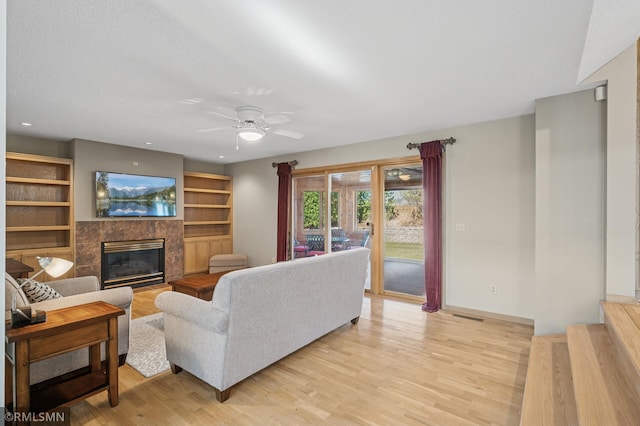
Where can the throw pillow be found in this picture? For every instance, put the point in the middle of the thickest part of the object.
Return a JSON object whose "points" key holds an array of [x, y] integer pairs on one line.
{"points": [[37, 291]]}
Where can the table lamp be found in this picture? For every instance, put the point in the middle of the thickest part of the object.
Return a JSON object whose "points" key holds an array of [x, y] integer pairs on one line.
{"points": [[55, 267]]}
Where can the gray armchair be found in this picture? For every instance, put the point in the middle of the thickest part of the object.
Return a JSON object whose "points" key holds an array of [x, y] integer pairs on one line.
{"points": [[75, 291]]}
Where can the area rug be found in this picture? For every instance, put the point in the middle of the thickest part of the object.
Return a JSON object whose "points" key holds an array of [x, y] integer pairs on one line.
{"points": [[147, 352]]}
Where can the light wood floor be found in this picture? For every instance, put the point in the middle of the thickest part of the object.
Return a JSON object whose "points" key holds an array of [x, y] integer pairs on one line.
{"points": [[398, 365]]}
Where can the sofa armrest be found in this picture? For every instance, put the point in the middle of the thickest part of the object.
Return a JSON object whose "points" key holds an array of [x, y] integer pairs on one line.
{"points": [[120, 297], [77, 285], [194, 310]]}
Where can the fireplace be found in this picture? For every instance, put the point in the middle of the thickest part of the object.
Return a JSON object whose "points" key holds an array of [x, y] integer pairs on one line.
{"points": [[134, 263]]}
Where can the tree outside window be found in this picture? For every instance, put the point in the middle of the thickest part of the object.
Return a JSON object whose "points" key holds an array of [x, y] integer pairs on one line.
{"points": [[363, 207], [335, 197], [404, 207], [313, 215], [311, 210]]}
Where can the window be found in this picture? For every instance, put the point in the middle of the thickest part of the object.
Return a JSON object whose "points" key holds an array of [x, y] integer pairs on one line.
{"points": [[363, 209], [334, 208], [314, 209]]}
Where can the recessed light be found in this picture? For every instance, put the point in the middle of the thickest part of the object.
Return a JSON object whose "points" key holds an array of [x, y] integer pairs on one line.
{"points": [[148, 143], [220, 156], [26, 124]]}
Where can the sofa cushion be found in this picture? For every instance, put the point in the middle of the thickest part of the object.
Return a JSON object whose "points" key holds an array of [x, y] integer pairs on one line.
{"points": [[235, 259], [227, 262], [37, 291]]}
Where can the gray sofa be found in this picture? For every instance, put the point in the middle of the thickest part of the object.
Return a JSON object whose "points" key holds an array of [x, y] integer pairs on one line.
{"points": [[76, 291], [260, 315]]}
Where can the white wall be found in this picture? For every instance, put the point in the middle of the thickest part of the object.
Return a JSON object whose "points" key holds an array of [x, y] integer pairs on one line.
{"points": [[570, 211], [490, 190], [622, 213], [38, 146], [190, 165], [255, 193], [489, 187]]}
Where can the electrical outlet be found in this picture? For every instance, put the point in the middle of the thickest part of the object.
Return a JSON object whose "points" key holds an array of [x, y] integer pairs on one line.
{"points": [[460, 227], [494, 289]]}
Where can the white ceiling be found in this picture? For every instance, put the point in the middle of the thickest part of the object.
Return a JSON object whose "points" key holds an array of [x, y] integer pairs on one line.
{"points": [[344, 71]]}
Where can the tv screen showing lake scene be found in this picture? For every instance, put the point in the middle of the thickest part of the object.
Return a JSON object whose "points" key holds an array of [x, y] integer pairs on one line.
{"points": [[123, 195]]}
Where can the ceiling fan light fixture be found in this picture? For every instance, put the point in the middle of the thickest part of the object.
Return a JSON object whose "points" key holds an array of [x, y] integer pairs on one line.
{"points": [[251, 134], [405, 177]]}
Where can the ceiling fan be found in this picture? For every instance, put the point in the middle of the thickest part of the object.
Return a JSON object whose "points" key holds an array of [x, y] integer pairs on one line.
{"points": [[251, 124]]}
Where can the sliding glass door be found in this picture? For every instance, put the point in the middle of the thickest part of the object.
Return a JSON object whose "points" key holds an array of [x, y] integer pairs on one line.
{"points": [[331, 212], [378, 206], [403, 230], [309, 216], [353, 228]]}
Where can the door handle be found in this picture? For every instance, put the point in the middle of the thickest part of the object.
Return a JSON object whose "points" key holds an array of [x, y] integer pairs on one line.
{"points": [[371, 227]]}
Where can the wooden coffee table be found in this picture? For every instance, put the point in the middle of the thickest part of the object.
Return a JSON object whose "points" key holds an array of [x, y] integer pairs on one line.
{"points": [[200, 286]]}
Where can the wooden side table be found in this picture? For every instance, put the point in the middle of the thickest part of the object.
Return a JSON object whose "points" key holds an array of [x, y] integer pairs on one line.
{"points": [[200, 286], [64, 331], [17, 269]]}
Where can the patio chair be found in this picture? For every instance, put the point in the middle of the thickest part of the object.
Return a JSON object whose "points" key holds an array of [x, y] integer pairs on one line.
{"points": [[364, 241], [339, 240], [315, 243], [299, 250]]}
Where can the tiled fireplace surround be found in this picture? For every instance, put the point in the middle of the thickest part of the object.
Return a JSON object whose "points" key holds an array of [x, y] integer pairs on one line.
{"points": [[90, 234]]}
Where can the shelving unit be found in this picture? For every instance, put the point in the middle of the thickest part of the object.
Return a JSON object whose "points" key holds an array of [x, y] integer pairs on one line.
{"points": [[39, 202], [208, 219]]}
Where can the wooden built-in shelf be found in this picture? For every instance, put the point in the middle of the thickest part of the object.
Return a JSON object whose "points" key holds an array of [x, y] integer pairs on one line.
{"points": [[208, 191], [208, 219], [208, 222], [38, 181], [207, 206], [39, 203]]}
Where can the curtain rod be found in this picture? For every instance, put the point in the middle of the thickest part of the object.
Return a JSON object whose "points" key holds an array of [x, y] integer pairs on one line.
{"points": [[291, 163], [443, 142]]}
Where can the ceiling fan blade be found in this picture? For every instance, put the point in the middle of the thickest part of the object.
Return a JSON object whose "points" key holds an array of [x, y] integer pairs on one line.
{"points": [[259, 91], [277, 119], [289, 133], [213, 129], [220, 114]]}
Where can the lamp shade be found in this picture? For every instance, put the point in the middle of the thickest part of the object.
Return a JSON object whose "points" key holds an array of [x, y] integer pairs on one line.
{"points": [[251, 134], [55, 266]]}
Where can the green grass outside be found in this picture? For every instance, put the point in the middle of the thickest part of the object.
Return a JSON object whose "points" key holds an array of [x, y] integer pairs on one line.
{"points": [[404, 251]]}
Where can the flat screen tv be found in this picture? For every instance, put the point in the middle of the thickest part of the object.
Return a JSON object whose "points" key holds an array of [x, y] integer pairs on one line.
{"points": [[123, 195]]}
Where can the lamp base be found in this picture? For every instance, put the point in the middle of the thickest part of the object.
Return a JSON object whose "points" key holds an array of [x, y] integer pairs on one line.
{"points": [[24, 316]]}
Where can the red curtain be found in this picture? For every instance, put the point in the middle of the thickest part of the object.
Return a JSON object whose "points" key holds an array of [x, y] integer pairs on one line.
{"points": [[431, 155], [284, 198]]}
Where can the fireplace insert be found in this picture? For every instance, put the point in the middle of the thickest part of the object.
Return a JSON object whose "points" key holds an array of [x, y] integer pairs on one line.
{"points": [[134, 263]]}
